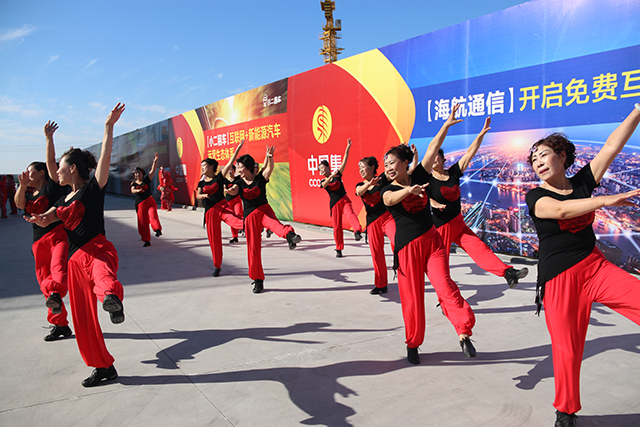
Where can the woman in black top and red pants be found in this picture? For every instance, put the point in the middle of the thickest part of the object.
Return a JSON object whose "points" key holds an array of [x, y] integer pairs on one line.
{"points": [[419, 249], [93, 260], [572, 272], [339, 202], [444, 195], [146, 206], [50, 245]]}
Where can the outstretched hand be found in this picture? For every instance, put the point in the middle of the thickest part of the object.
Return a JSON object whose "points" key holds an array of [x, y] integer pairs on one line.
{"points": [[622, 199], [487, 126], [50, 128], [271, 150], [115, 114], [451, 120], [418, 190]]}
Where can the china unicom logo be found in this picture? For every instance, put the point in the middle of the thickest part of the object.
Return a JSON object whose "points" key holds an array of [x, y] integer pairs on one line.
{"points": [[322, 124]]}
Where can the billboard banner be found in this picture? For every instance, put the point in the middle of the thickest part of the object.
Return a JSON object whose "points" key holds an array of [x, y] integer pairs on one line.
{"points": [[541, 67]]}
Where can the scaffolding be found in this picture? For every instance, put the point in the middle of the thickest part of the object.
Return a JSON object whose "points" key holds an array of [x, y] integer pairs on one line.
{"points": [[330, 34]]}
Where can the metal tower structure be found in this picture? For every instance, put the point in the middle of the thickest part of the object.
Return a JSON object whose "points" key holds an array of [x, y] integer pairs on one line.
{"points": [[330, 35]]}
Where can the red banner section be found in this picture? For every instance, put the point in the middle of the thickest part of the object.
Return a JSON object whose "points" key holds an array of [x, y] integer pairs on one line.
{"points": [[327, 105]]}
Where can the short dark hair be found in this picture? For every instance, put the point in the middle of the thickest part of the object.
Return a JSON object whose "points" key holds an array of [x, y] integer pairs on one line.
{"points": [[247, 161], [371, 161], [558, 142], [41, 166], [212, 162], [402, 152]]}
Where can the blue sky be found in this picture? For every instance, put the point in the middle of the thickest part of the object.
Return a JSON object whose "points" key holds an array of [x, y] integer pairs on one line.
{"points": [[71, 61]]}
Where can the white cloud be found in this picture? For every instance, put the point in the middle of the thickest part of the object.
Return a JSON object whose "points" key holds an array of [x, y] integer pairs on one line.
{"points": [[17, 33], [93, 61], [220, 75], [52, 59], [7, 105]]}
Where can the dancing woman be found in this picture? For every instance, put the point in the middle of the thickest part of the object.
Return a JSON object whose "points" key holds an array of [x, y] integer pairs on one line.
{"points": [[232, 196], [339, 202], [258, 214], [93, 261], [572, 272], [50, 245], [419, 249], [146, 206], [216, 209], [166, 188], [444, 195]]}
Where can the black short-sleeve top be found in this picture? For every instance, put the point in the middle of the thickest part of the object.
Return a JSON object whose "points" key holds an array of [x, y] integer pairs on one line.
{"points": [[145, 186], [336, 190], [38, 204], [214, 189], [82, 215], [228, 197], [447, 193], [253, 195], [372, 199], [412, 215], [563, 242]]}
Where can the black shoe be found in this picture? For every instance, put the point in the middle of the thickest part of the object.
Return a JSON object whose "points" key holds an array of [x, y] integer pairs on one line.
{"points": [[258, 286], [158, 233], [565, 420], [234, 240], [338, 253], [57, 332], [216, 272], [512, 275], [100, 374], [468, 349], [413, 356], [378, 291], [293, 239], [113, 305], [358, 235], [54, 302], [269, 233], [146, 244]]}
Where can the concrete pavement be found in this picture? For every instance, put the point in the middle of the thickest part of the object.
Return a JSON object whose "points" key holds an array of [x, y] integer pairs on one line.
{"points": [[314, 349]]}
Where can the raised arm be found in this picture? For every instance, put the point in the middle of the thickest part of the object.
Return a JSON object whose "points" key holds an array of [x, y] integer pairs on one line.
{"points": [[550, 208], [225, 169], [50, 151], [614, 144], [154, 166], [475, 146], [436, 142], [102, 170], [416, 159], [346, 156], [269, 163]]}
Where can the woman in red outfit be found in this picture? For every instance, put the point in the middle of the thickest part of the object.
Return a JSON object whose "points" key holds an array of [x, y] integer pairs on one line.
{"points": [[419, 249], [380, 223], [146, 206], [166, 188], [232, 196], [216, 209], [572, 273], [93, 260], [258, 214], [444, 195], [50, 245], [339, 202]]}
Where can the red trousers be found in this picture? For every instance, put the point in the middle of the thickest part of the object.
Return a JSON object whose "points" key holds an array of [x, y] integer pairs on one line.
{"points": [[166, 200], [426, 255], [456, 231], [236, 206], [213, 219], [50, 253], [148, 215], [567, 309], [345, 207], [92, 275], [384, 225], [262, 217]]}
